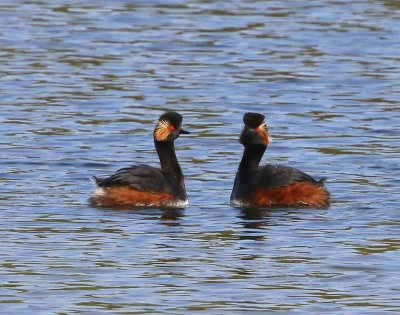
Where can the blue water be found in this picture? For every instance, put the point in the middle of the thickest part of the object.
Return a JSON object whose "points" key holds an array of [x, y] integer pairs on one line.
{"points": [[82, 85]]}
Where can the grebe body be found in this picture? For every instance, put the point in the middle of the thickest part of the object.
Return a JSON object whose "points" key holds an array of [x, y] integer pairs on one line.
{"points": [[271, 185], [147, 186]]}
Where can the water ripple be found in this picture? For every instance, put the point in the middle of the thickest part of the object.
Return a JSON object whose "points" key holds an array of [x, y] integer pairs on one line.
{"points": [[82, 85]]}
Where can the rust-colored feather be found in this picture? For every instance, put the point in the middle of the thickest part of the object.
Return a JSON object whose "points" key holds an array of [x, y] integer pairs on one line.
{"points": [[300, 194], [123, 195]]}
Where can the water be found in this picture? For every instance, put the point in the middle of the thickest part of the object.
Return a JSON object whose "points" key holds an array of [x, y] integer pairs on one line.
{"points": [[82, 85]]}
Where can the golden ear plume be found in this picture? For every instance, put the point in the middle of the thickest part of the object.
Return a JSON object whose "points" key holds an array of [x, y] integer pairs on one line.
{"points": [[262, 130], [163, 130]]}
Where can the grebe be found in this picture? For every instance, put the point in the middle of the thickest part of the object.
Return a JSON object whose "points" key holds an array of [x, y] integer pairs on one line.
{"points": [[146, 186], [271, 185]]}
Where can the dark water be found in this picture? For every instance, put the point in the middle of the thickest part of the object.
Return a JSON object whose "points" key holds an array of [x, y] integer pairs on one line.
{"points": [[81, 86]]}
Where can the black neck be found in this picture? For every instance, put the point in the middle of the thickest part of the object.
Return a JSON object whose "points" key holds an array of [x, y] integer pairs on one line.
{"points": [[248, 167], [251, 158], [166, 153]]}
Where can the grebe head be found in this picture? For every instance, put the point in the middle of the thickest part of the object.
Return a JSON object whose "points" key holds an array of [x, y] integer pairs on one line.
{"points": [[255, 131], [169, 127]]}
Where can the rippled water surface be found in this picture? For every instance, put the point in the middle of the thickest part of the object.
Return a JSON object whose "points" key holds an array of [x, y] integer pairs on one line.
{"points": [[82, 84]]}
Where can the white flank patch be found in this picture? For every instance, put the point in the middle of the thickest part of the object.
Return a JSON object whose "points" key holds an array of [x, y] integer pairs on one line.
{"points": [[181, 203], [99, 191], [176, 204], [237, 203]]}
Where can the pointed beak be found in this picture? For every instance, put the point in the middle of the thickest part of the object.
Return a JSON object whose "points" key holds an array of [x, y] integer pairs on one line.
{"points": [[183, 131]]}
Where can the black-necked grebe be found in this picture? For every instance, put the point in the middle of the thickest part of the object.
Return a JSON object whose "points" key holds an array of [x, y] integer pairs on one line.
{"points": [[271, 185], [143, 185]]}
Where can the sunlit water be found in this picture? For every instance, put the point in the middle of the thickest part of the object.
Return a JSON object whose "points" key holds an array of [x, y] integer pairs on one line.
{"points": [[81, 87]]}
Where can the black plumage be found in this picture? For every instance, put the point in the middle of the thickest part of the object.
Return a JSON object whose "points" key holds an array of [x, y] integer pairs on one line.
{"points": [[273, 176], [140, 177]]}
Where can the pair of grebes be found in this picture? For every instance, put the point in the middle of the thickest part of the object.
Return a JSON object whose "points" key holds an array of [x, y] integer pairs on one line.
{"points": [[254, 186]]}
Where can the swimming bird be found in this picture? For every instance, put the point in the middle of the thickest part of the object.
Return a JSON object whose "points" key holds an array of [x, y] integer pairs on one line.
{"points": [[147, 186], [271, 185]]}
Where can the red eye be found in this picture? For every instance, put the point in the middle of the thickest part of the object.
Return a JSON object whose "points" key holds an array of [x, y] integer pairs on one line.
{"points": [[258, 129], [171, 127]]}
